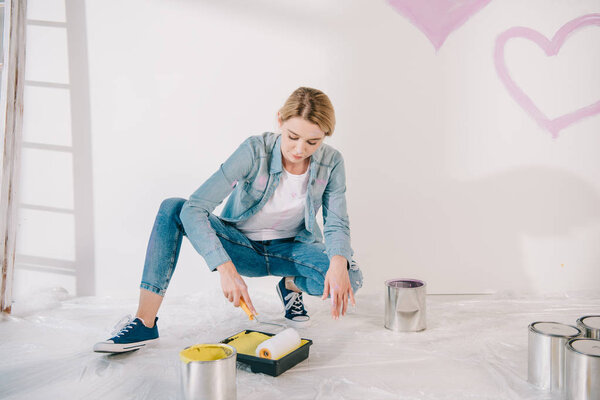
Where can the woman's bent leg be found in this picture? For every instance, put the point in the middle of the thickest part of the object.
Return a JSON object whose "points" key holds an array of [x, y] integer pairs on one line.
{"points": [[245, 258], [163, 251], [308, 264], [161, 258]]}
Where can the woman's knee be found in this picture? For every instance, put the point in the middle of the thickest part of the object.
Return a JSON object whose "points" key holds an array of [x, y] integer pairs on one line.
{"points": [[171, 206]]}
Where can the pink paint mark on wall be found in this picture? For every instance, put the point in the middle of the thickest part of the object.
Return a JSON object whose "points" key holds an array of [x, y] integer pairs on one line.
{"points": [[438, 18], [551, 47]]}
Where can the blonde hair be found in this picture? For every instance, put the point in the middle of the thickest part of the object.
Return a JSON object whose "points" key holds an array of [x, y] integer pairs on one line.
{"points": [[311, 105]]}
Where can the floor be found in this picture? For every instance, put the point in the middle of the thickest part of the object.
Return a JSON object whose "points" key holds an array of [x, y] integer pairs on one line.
{"points": [[475, 347]]}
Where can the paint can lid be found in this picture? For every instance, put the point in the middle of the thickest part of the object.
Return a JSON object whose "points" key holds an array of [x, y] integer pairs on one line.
{"points": [[404, 283], [589, 347], [591, 321], [555, 329]]}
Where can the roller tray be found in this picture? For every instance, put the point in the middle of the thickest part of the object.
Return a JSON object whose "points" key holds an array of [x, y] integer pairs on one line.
{"points": [[271, 367]]}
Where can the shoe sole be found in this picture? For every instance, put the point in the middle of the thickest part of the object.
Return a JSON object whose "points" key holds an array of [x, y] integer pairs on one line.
{"points": [[122, 347], [295, 324], [298, 324]]}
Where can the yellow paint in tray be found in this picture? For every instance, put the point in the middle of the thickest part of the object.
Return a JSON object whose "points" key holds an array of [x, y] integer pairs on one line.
{"points": [[247, 342]]}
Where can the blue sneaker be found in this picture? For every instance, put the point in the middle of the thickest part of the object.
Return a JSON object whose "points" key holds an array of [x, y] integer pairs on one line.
{"points": [[293, 303], [129, 335]]}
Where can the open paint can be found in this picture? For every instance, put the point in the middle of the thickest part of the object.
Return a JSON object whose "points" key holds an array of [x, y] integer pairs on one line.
{"points": [[546, 361], [405, 305], [208, 371], [583, 369], [590, 326]]}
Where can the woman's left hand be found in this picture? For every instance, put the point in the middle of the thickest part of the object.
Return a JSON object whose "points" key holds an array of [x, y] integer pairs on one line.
{"points": [[337, 284]]}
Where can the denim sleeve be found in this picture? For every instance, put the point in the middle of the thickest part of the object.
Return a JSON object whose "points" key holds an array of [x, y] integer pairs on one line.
{"points": [[195, 211], [336, 224]]}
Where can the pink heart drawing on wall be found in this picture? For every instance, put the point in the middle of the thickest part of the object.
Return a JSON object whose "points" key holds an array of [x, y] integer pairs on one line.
{"points": [[438, 18], [551, 47]]}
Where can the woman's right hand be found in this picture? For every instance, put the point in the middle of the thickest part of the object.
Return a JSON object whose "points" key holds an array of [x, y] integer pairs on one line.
{"points": [[234, 286]]}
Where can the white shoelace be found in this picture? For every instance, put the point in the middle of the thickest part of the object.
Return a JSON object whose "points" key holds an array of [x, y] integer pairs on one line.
{"points": [[294, 301], [123, 326]]}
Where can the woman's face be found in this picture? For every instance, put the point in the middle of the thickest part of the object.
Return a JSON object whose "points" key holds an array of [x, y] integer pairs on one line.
{"points": [[299, 140]]}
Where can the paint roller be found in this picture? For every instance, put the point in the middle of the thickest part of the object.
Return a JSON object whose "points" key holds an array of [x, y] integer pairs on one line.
{"points": [[278, 345]]}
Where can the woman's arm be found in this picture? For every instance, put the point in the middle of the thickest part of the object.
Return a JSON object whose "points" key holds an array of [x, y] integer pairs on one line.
{"points": [[194, 216], [195, 211], [336, 230], [336, 224]]}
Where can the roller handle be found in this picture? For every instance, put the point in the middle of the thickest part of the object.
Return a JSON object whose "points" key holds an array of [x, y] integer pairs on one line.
{"points": [[246, 309]]}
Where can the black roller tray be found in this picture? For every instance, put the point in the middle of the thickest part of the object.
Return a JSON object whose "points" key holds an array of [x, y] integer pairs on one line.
{"points": [[264, 365]]}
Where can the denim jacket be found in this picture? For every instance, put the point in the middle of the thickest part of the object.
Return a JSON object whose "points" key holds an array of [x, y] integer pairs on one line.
{"points": [[250, 176]]}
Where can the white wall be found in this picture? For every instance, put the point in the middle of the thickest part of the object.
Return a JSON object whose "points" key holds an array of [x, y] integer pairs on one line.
{"points": [[449, 179]]}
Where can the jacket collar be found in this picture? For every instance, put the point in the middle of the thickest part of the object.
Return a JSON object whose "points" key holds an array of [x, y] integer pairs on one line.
{"points": [[276, 166]]}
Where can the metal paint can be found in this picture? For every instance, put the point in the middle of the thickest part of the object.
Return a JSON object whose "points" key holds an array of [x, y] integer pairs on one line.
{"points": [[208, 371], [590, 326], [405, 305], [582, 369], [546, 359]]}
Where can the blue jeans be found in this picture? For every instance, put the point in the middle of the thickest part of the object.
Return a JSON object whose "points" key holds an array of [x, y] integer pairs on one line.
{"points": [[307, 263]]}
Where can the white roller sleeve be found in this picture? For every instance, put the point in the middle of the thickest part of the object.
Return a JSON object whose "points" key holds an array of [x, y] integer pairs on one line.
{"points": [[278, 345]]}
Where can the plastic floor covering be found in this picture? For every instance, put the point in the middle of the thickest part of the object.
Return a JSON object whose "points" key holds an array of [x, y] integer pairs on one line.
{"points": [[474, 347]]}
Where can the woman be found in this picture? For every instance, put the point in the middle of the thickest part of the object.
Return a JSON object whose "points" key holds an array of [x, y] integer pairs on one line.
{"points": [[276, 183]]}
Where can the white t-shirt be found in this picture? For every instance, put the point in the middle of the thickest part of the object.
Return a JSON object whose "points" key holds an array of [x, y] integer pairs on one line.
{"points": [[283, 214]]}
